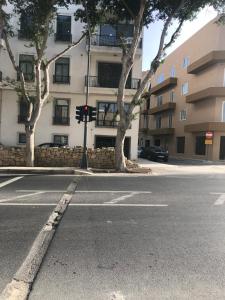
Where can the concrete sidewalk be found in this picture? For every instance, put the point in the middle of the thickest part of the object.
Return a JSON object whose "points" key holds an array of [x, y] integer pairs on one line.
{"points": [[173, 169]]}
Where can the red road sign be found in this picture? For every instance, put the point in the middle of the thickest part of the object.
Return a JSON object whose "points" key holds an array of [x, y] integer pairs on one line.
{"points": [[209, 135]]}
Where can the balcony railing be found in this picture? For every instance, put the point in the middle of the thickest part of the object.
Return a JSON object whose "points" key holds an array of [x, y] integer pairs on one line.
{"points": [[27, 76], [110, 41], [24, 34], [63, 37], [61, 121], [95, 81], [106, 123], [22, 118], [61, 79]]}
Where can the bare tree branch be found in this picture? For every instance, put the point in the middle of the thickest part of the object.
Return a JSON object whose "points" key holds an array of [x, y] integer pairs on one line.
{"points": [[66, 50], [174, 36]]}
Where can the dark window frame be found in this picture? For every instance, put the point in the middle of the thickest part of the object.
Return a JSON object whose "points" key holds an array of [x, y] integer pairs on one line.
{"points": [[21, 136], [55, 136], [58, 109], [180, 144], [62, 34], [26, 63], [60, 67], [200, 147]]}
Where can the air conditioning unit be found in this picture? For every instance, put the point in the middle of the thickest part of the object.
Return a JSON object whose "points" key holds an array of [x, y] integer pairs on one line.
{"points": [[128, 40]]}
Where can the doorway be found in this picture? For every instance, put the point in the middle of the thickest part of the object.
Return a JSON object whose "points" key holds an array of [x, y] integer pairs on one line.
{"points": [[222, 148]]}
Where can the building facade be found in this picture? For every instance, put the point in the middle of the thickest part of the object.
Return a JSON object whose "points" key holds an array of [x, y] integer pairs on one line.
{"points": [[57, 122], [187, 104]]}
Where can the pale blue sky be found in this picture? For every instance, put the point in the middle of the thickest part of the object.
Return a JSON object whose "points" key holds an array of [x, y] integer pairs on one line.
{"points": [[152, 35]]}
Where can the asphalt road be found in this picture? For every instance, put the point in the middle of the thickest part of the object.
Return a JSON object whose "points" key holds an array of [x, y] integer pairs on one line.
{"points": [[121, 238]]}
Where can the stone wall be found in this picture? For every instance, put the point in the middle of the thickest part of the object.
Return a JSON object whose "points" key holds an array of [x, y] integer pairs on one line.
{"points": [[58, 157]]}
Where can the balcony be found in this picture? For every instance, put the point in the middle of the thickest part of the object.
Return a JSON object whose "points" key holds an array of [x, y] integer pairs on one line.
{"points": [[161, 108], [207, 126], [106, 123], [110, 41], [206, 61], [24, 34], [22, 118], [63, 37], [161, 131], [61, 121], [29, 77], [211, 92], [95, 81], [61, 79], [166, 84]]}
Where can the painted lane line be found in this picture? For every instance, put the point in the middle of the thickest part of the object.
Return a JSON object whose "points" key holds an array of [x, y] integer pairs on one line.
{"points": [[10, 181], [121, 198], [20, 197], [60, 191], [34, 191], [86, 204], [220, 200]]}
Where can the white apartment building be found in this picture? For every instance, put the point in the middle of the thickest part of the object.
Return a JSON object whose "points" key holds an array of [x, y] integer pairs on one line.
{"points": [[67, 90]]}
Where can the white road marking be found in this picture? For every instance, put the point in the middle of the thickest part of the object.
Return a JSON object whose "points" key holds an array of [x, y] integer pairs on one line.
{"points": [[121, 198], [59, 191], [85, 204], [2, 184], [221, 198], [19, 197], [44, 191]]}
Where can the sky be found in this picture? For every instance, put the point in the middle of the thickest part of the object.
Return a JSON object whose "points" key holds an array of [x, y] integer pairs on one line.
{"points": [[152, 35]]}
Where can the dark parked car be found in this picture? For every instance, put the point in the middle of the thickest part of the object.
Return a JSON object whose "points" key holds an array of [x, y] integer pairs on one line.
{"points": [[155, 153], [51, 145]]}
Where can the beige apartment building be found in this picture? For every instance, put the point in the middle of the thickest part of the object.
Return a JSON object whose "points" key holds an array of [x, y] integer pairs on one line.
{"points": [[188, 99], [67, 90]]}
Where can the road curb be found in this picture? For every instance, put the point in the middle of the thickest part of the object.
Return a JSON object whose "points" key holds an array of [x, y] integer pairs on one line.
{"points": [[44, 171], [20, 286]]}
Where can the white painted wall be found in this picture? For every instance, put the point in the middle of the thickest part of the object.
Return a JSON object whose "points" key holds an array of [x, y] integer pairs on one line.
{"points": [[10, 128]]}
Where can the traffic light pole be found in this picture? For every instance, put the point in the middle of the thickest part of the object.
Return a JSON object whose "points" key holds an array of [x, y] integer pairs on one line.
{"points": [[84, 161]]}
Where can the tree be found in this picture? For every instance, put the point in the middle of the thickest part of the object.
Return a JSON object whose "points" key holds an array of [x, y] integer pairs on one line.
{"points": [[41, 13], [144, 13]]}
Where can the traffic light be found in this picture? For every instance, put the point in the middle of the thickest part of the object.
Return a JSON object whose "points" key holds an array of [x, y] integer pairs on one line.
{"points": [[92, 113], [79, 114], [85, 109]]}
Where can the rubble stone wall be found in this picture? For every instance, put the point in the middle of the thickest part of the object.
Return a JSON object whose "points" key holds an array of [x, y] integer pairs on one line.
{"points": [[58, 157]]}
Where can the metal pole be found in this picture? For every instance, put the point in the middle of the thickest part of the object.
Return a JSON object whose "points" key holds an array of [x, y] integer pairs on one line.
{"points": [[84, 161]]}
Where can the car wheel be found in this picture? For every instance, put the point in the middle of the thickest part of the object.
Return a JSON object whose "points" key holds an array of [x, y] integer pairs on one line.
{"points": [[165, 159]]}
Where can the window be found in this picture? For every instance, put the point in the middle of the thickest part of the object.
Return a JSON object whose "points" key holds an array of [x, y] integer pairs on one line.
{"points": [[185, 62], [200, 145], [148, 104], [26, 24], [23, 109], [26, 65], [63, 29], [158, 121], [62, 71], [61, 112], [60, 139], [107, 114], [180, 144], [110, 35], [159, 100], [223, 111], [160, 78], [172, 72], [172, 96], [184, 88], [22, 138], [145, 121], [183, 115], [147, 143], [109, 75], [170, 119]]}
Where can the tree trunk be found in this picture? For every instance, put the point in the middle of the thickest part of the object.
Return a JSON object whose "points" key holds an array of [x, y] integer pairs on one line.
{"points": [[119, 150], [29, 147]]}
